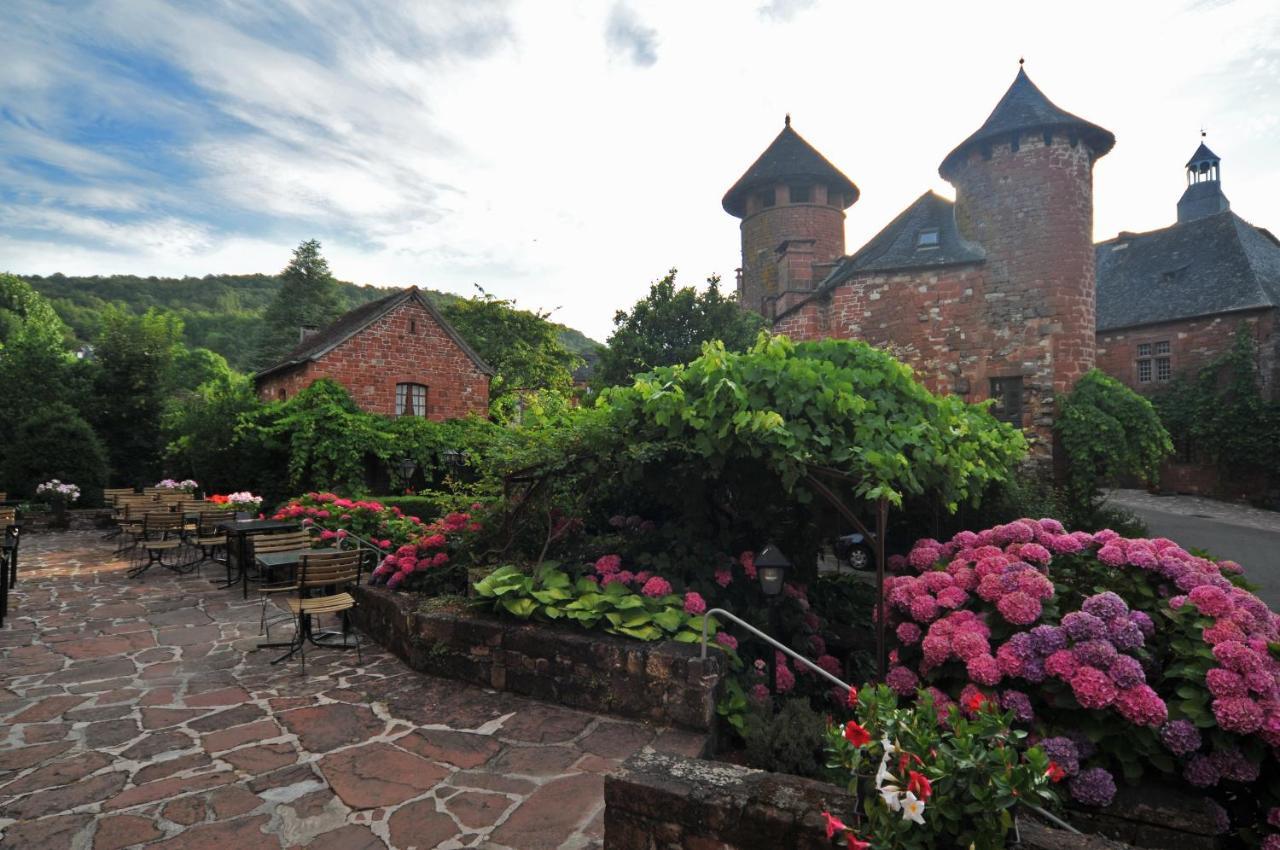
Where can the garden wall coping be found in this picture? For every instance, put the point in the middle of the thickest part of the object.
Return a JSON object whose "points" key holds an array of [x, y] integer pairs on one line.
{"points": [[663, 681], [658, 801]]}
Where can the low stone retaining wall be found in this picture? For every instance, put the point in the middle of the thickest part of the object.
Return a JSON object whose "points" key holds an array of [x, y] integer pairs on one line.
{"points": [[1154, 816], [79, 519], [658, 801], [662, 682]]}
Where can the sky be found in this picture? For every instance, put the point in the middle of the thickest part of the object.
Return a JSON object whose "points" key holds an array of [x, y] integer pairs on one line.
{"points": [[566, 154]]}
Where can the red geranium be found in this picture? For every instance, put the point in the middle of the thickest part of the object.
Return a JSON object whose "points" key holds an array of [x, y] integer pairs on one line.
{"points": [[856, 734]]}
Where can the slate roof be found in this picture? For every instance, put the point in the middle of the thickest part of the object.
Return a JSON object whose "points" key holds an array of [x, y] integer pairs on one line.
{"points": [[1216, 264], [896, 246], [1024, 108], [788, 157], [353, 321], [1203, 154]]}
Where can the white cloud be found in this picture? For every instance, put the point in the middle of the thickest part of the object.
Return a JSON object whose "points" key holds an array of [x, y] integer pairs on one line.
{"points": [[446, 144]]}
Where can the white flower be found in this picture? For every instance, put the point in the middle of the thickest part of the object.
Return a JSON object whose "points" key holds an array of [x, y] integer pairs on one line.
{"points": [[912, 809], [893, 797]]}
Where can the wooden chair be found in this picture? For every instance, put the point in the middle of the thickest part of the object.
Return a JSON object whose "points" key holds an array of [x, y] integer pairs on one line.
{"points": [[204, 537], [110, 494], [129, 514], [289, 541], [4, 497], [161, 538], [8, 567], [8, 516], [325, 584]]}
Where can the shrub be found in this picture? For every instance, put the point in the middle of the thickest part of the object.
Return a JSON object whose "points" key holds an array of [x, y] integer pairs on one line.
{"points": [[423, 507], [1130, 655], [55, 442], [790, 741], [1106, 431]]}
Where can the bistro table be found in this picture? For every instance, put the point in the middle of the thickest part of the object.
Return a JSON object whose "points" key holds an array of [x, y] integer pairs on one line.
{"points": [[271, 561], [239, 531]]}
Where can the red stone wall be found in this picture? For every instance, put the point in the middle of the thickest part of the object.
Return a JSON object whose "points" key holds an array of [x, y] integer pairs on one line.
{"points": [[386, 353], [1192, 344], [766, 228]]}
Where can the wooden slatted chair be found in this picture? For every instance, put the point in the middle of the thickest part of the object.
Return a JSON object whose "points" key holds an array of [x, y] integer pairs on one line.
{"points": [[204, 538], [325, 585], [8, 516], [8, 566], [129, 514], [110, 494], [161, 543], [269, 588]]}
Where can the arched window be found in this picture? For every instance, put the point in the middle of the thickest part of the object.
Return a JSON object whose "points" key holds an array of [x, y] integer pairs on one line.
{"points": [[411, 400]]}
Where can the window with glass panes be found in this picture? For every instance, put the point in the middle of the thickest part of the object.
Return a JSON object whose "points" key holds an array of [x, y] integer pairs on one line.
{"points": [[411, 400], [1154, 361]]}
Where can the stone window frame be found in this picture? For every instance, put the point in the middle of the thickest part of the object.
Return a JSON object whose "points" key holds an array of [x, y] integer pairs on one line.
{"points": [[1004, 389], [410, 402]]}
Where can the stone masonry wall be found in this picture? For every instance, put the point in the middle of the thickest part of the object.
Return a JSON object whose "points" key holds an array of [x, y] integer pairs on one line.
{"points": [[1193, 343], [405, 346], [664, 682], [764, 229]]}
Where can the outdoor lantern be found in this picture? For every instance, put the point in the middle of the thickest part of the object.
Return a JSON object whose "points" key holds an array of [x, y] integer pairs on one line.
{"points": [[452, 458], [771, 566], [406, 466]]}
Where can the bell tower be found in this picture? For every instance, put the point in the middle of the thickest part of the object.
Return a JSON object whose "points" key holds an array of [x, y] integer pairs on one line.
{"points": [[1203, 196], [791, 202]]}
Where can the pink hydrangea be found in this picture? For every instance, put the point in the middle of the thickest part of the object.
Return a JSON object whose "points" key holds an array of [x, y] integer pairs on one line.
{"points": [[1019, 608], [748, 561], [923, 557], [983, 669], [785, 678], [969, 644], [693, 602], [924, 608], [727, 640], [952, 598], [1112, 556], [1211, 601], [1035, 554], [1142, 706], [902, 680], [656, 586], [724, 577], [1092, 688], [1224, 683], [908, 633], [830, 663], [1238, 714], [759, 694]]}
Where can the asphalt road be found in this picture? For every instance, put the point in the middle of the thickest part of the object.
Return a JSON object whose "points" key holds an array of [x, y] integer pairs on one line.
{"points": [[1257, 550]]}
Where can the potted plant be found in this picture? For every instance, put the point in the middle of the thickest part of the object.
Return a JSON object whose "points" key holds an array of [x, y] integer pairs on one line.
{"points": [[58, 495]]}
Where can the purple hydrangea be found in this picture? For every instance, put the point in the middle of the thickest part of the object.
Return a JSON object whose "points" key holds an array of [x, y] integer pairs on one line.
{"points": [[1105, 606], [1080, 626], [1047, 640], [1180, 736], [1221, 820], [1063, 752], [1234, 765], [1022, 645], [1033, 670], [1126, 672], [1096, 653], [1201, 772], [1125, 634], [1093, 787], [1020, 704], [1142, 620]]}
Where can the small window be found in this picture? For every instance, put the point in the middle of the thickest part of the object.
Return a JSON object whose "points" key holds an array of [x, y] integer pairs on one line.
{"points": [[411, 400], [1164, 369], [1161, 368], [1162, 347], [801, 194], [282, 394], [766, 198], [1144, 371], [1144, 349], [927, 238], [1007, 394], [835, 197], [413, 327]]}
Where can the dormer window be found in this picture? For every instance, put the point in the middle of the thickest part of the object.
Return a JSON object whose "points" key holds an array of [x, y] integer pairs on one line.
{"points": [[927, 238]]}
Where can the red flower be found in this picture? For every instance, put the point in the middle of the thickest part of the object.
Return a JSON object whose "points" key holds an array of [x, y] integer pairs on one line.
{"points": [[919, 784], [855, 844], [856, 734], [834, 825], [976, 702], [1055, 773], [853, 696]]}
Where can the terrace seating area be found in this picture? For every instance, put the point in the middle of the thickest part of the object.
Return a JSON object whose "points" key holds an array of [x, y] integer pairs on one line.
{"points": [[141, 713]]}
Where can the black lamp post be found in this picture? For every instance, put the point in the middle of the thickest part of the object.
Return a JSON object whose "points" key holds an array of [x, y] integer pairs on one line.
{"points": [[771, 570], [453, 459], [405, 467]]}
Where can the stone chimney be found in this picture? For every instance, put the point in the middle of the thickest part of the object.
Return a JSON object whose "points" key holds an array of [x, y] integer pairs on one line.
{"points": [[306, 332]]}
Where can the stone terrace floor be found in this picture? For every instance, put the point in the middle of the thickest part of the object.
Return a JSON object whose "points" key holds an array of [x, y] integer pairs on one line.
{"points": [[136, 713]]}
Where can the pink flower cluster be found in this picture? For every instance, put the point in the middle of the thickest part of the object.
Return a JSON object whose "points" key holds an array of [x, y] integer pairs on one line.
{"points": [[608, 570]]}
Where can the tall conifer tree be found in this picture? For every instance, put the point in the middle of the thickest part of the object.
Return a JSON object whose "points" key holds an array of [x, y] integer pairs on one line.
{"points": [[308, 296]]}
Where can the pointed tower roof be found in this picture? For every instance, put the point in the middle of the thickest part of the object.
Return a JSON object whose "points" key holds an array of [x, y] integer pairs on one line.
{"points": [[788, 157], [1024, 108], [1202, 154]]}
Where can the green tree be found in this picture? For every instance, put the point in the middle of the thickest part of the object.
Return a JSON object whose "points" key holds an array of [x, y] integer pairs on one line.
{"points": [[34, 361], [308, 296], [1106, 431], [201, 430], [669, 327], [135, 355], [55, 442], [523, 347]]}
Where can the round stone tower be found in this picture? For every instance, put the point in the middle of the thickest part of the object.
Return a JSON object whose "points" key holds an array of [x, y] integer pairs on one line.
{"points": [[1024, 192], [791, 202]]}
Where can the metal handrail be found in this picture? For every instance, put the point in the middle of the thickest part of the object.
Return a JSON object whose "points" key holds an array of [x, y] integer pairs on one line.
{"points": [[741, 622]]}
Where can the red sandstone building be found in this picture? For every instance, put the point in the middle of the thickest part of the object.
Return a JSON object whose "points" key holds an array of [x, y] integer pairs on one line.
{"points": [[396, 356], [993, 295]]}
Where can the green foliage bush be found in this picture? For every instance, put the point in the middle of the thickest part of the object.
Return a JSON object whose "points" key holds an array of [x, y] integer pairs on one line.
{"points": [[57, 443], [1106, 431], [790, 741], [425, 508]]}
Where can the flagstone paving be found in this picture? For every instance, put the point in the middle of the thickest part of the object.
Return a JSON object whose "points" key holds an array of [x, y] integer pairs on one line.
{"points": [[137, 713]]}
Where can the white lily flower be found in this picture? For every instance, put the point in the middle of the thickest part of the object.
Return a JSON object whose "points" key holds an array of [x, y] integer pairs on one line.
{"points": [[912, 809], [893, 797], [889, 747]]}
